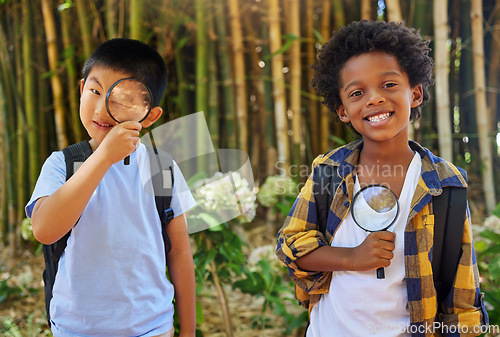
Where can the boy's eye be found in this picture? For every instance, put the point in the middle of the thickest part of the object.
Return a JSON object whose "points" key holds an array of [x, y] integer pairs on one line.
{"points": [[355, 93], [390, 85], [94, 91]]}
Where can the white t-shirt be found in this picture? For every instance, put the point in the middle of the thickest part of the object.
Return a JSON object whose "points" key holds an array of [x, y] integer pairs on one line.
{"points": [[359, 304], [111, 279]]}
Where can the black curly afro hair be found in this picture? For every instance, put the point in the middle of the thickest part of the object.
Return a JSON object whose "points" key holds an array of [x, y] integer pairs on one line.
{"points": [[360, 37]]}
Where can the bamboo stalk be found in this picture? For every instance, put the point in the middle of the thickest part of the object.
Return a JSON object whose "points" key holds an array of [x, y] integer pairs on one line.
{"points": [[271, 150], [494, 71], [182, 83], [278, 85], [481, 107], [55, 80], [366, 9], [311, 58], [212, 87], [201, 75], [394, 10], [441, 56], [111, 19], [239, 75], [73, 84], [258, 139], [201, 57], [85, 30], [136, 13], [228, 137], [8, 85], [338, 14], [296, 83], [324, 130], [29, 94]]}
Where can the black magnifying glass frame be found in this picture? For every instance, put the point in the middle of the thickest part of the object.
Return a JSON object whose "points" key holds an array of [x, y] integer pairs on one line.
{"points": [[118, 82], [380, 271]]}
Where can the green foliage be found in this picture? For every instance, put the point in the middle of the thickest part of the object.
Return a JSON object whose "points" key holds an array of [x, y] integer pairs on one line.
{"points": [[278, 192], [488, 249], [222, 246], [33, 328], [6, 290], [268, 283]]}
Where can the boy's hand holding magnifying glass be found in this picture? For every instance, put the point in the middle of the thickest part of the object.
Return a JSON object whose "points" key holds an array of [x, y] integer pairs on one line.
{"points": [[374, 209], [128, 102]]}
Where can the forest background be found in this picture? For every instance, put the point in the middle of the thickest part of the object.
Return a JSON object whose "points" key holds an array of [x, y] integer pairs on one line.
{"points": [[246, 65]]}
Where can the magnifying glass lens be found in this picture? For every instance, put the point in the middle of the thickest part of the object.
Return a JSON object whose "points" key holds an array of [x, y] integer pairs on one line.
{"points": [[129, 100], [375, 208]]}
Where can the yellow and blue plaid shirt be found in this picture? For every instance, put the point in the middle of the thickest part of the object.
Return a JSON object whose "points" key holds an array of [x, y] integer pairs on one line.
{"points": [[300, 235]]}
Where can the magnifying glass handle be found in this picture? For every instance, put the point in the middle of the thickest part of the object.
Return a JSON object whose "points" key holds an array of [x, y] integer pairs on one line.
{"points": [[380, 273], [126, 161]]}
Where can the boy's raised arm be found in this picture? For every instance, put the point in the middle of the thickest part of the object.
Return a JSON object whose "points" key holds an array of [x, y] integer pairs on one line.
{"points": [[55, 215]]}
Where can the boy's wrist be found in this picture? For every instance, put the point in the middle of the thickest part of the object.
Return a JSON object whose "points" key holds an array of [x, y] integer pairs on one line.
{"points": [[103, 158]]}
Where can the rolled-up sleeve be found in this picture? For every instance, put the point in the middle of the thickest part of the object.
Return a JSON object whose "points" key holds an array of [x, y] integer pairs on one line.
{"points": [[298, 237]]}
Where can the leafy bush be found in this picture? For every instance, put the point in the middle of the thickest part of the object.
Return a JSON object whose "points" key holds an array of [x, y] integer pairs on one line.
{"points": [[488, 251]]}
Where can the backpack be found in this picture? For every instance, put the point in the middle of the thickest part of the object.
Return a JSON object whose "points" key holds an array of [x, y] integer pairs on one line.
{"points": [[448, 230], [163, 180]]}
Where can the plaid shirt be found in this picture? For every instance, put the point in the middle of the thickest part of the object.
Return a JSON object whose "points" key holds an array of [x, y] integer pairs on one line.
{"points": [[300, 235]]}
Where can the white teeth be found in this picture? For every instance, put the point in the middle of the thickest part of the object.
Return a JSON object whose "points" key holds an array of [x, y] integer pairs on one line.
{"points": [[105, 125], [379, 118]]}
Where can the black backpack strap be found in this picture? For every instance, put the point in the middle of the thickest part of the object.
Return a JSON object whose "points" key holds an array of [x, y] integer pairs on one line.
{"points": [[449, 216], [326, 181], [162, 168], [74, 156]]}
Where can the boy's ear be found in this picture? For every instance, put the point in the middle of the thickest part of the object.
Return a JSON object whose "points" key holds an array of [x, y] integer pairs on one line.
{"points": [[82, 84], [153, 116], [341, 111], [417, 96]]}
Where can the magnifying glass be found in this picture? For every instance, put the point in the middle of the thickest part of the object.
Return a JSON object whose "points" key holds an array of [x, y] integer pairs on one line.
{"points": [[375, 208], [128, 99]]}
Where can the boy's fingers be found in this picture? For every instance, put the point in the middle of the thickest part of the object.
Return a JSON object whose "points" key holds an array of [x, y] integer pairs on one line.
{"points": [[131, 125], [385, 235]]}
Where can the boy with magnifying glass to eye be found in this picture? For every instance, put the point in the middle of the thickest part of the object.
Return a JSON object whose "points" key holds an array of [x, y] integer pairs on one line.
{"points": [[375, 76], [111, 278]]}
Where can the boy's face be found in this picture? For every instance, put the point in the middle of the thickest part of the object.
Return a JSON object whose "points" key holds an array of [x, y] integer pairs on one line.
{"points": [[377, 97], [93, 114]]}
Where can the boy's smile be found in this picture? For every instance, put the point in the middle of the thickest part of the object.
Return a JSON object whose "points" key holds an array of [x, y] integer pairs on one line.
{"points": [[377, 97]]}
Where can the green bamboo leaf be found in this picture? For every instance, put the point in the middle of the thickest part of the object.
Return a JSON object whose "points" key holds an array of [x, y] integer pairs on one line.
{"points": [[318, 36], [491, 250], [490, 235], [338, 140], [496, 211], [494, 268], [290, 39]]}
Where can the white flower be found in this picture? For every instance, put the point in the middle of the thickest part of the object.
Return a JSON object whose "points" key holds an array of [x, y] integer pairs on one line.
{"points": [[228, 191]]}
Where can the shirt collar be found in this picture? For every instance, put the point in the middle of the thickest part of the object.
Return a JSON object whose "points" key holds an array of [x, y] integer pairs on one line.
{"points": [[436, 172]]}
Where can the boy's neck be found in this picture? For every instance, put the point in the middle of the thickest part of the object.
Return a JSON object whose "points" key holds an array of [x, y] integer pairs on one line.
{"points": [[384, 163], [385, 153]]}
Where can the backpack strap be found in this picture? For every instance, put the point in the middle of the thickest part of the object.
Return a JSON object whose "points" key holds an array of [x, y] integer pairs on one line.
{"points": [[326, 181], [163, 181], [449, 216], [74, 156]]}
